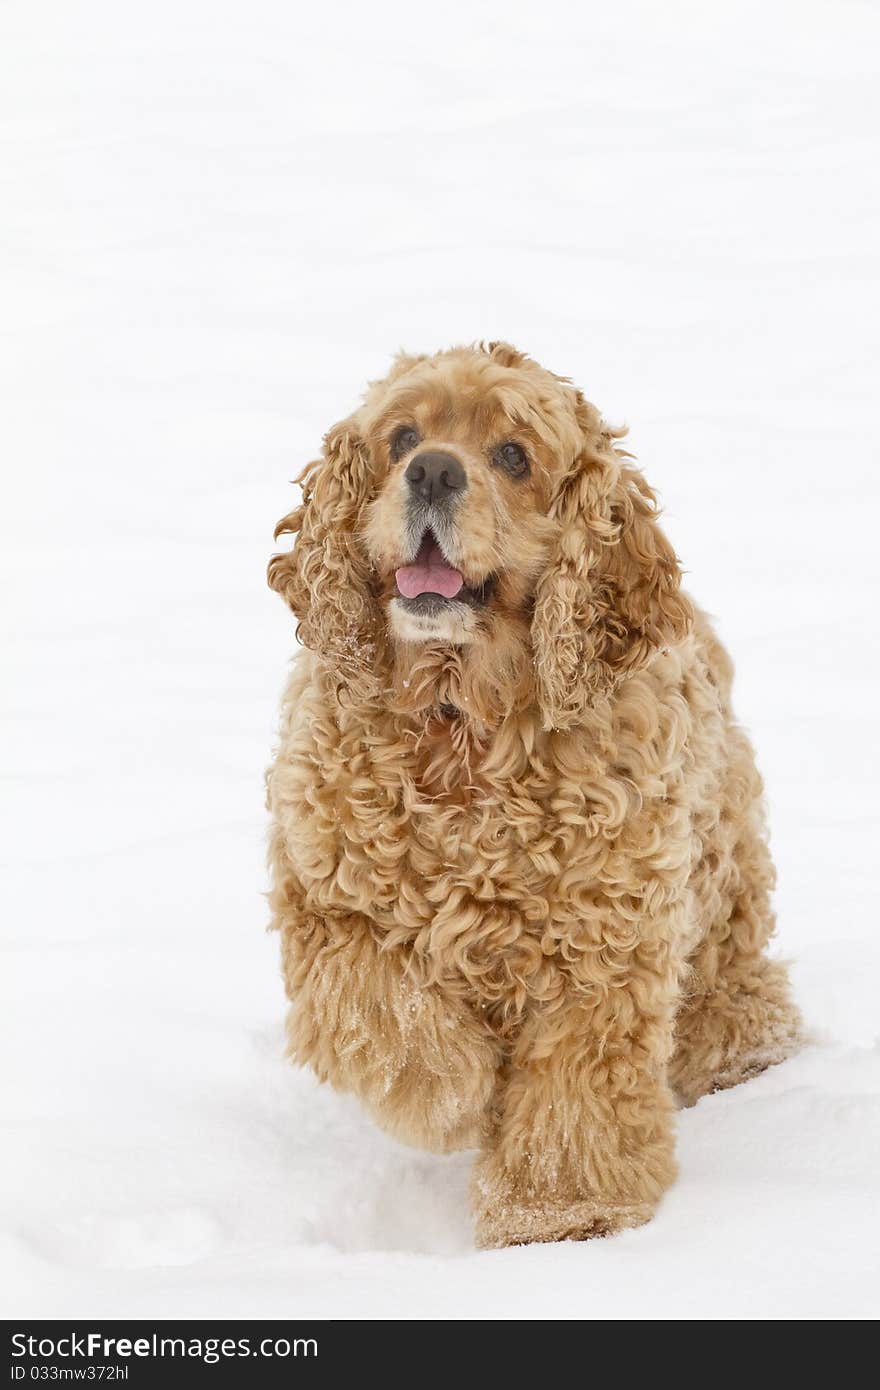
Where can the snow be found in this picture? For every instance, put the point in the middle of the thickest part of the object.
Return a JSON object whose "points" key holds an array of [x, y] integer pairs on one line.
{"points": [[219, 221]]}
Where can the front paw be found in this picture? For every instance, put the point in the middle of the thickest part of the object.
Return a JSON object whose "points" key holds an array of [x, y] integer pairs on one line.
{"points": [[504, 1221], [431, 1110], [424, 1073]]}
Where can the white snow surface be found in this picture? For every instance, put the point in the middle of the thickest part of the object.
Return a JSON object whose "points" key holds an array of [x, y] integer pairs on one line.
{"points": [[219, 220]]}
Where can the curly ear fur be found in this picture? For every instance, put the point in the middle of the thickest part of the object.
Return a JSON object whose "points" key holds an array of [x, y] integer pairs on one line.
{"points": [[610, 596], [326, 577]]}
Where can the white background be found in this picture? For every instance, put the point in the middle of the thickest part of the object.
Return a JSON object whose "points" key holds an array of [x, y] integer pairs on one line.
{"points": [[218, 221]]}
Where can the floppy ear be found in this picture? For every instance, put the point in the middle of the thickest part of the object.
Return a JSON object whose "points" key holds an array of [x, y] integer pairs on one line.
{"points": [[326, 577], [611, 593]]}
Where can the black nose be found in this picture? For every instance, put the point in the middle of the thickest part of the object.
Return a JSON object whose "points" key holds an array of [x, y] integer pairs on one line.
{"points": [[435, 477]]}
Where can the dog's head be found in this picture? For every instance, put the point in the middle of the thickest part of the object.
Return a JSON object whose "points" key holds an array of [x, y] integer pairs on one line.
{"points": [[473, 534]]}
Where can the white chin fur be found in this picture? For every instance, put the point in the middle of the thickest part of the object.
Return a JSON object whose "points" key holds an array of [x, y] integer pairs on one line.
{"points": [[455, 622]]}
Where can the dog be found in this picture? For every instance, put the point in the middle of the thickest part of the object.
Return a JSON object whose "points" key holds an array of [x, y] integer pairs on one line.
{"points": [[518, 850]]}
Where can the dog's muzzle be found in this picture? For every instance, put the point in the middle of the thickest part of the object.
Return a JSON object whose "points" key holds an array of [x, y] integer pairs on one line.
{"points": [[435, 484]]}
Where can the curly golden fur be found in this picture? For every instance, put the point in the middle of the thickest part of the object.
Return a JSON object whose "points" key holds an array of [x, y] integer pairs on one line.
{"points": [[519, 858]]}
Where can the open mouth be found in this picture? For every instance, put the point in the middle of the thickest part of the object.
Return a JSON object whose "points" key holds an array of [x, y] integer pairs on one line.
{"points": [[429, 573], [430, 581]]}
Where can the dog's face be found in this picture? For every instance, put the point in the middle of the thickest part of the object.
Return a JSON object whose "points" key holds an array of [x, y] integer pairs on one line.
{"points": [[464, 449], [472, 536]]}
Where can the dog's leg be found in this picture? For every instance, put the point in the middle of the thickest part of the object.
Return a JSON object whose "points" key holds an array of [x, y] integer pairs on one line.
{"points": [[739, 1020], [583, 1139], [737, 1017], [418, 1058]]}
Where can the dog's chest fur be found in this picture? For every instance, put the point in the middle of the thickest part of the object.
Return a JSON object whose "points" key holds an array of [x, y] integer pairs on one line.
{"points": [[499, 863]]}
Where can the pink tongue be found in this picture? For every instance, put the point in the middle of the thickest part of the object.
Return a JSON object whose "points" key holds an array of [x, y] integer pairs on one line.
{"points": [[430, 573]]}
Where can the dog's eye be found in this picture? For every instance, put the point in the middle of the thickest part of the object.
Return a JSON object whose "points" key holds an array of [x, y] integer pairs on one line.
{"points": [[404, 441], [512, 459]]}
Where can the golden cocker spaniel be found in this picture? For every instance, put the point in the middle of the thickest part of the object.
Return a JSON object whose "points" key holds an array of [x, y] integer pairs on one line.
{"points": [[519, 859]]}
